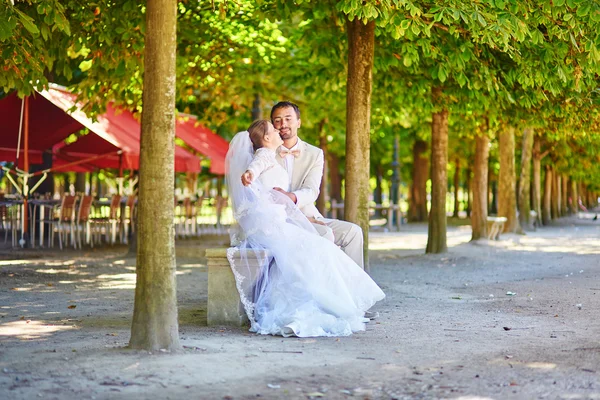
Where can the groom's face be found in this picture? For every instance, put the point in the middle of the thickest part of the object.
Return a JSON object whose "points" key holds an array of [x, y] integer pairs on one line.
{"points": [[286, 122]]}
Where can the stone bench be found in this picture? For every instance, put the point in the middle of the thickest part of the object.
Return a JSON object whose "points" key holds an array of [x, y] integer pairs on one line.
{"points": [[224, 305], [495, 226]]}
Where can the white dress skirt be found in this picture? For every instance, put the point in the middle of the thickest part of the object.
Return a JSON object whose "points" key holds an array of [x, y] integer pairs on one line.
{"points": [[307, 286]]}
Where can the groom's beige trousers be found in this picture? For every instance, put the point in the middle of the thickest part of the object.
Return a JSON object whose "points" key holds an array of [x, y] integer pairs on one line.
{"points": [[344, 234]]}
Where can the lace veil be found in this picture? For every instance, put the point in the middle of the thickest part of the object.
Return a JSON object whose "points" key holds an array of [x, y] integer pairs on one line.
{"points": [[260, 213]]}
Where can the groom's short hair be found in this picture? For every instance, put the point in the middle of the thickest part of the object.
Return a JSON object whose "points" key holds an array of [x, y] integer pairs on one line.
{"points": [[285, 104]]}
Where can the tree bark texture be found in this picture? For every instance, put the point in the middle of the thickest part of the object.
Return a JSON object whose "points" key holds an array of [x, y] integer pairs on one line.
{"points": [[418, 190], [436, 234], [564, 203], [469, 185], [480, 186], [155, 323], [378, 193], [546, 210], [574, 197], [582, 194], [525, 179], [335, 177], [507, 193], [555, 197], [456, 186], [361, 44], [322, 199], [537, 178]]}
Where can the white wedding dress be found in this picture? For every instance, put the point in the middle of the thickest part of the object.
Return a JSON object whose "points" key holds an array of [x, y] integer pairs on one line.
{"points": [[307, 286]]}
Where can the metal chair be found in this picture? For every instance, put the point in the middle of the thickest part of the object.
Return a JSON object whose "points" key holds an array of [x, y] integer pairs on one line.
{"points": [[82, 224], [65, 221]]}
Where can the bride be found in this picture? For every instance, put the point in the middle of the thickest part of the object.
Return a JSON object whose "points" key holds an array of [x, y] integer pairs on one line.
{"points": [[307, 286]]}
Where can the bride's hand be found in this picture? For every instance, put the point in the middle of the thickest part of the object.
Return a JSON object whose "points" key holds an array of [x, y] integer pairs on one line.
{"points": [[247, 178], [290, 195], [315, 221]]}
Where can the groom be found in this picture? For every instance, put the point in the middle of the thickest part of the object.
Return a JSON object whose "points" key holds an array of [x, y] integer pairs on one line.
{"points": [[304, 164]]}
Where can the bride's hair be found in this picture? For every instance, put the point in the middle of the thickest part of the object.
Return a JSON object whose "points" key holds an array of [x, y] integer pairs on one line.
{"points": [[258, 130]]}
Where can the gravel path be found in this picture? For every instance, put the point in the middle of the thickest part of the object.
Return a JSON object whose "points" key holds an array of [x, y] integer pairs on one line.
{"points": [[517, 318]]}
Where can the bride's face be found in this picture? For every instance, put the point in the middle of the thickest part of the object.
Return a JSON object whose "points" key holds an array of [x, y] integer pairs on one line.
{"points": [[272, 140]]}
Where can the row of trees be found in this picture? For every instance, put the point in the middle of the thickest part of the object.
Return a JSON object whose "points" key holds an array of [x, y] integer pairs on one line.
{"points": [[440, 74]]}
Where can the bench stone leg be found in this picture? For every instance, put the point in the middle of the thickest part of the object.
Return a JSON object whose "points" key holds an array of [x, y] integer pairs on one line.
{"points": [[224, 306]]}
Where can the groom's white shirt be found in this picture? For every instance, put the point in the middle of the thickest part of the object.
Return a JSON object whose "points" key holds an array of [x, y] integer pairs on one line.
{"points": [[307, 171]]}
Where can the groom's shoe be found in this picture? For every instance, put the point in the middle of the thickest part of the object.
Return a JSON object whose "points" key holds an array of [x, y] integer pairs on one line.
{"points": [[371, 314]]}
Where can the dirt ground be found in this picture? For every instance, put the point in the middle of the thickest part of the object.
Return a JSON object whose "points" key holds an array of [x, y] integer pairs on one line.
{"points": [[517, 318]]}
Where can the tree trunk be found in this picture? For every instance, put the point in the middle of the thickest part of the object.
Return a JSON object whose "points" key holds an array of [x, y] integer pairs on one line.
{"points": [[507, 196], [335, 178], [80, 181], [582, 194], [469, 185], [155, 324], [493, 185], [378, 193], [436, 234], [322, 199], [361, 44], [546, 210], [480, 186], [555, 196], [574, 197], [417, 210], [564, 204], [525, 179], [456, 186], [537, 178]]}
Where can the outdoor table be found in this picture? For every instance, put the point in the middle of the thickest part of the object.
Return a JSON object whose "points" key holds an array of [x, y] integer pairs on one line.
{"points": [[42, 205]]}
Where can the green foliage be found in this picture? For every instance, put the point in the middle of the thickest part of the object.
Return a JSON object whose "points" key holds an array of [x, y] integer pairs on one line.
{"points": [[26, 30]]}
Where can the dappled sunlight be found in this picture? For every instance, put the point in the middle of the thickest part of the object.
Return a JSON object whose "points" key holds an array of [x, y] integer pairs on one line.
{"points": [[117, 281], [415, 240], [20, 289], [191, 266], [541, 365], [183, 272], [16, 262], [533, 365], [63, 271], [26, 329], [558, 245]]}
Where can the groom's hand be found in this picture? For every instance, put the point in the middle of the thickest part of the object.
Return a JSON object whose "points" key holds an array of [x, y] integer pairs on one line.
{"points": [[292, 196]]}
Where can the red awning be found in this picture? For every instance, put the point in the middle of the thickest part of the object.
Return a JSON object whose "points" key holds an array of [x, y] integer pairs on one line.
{"points": [[48, 125], [113, 131], [204, 141]]}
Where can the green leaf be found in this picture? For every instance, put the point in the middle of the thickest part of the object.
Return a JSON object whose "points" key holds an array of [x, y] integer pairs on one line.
{"points": [[27, 22], [6, 28], [583, 10], [442, 74], [481, 20]]}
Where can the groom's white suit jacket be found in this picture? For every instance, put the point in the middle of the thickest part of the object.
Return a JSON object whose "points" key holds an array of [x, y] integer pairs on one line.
{"points": [[306, 177]]}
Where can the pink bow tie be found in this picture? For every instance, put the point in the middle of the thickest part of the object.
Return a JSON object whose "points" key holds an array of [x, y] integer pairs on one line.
{"points": [[284, 153]]}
